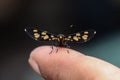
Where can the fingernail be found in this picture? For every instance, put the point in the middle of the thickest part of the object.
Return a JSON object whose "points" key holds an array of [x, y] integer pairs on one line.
{"points": [[34, 65]]}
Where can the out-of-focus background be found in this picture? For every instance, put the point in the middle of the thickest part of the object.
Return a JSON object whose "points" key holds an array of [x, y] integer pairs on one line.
{"points": [[55, 16]]}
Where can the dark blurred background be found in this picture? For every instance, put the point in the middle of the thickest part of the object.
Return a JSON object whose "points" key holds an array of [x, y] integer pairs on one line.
{"points": [[55, 16]]}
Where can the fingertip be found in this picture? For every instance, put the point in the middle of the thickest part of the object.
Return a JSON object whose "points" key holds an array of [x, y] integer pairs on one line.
{"points": [[75, 63], [41, 49], [36, 56]]}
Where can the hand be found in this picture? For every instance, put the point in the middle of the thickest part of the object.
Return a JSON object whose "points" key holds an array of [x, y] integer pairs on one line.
{"points": [[70, 66]]}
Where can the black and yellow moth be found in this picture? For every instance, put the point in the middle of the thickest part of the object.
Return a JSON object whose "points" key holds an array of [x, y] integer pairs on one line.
{"points": [[60, 39]]}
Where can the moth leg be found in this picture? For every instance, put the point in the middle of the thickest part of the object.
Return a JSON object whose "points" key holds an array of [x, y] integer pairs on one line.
{"points": [[66, 45], [56, 50], [52, 47], [54, 44], [68, 51]]}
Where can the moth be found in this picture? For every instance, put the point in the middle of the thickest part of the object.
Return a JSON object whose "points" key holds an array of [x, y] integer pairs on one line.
{"points": [[60, 40]]}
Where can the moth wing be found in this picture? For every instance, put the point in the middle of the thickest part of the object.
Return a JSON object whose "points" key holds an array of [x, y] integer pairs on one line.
{"points": [[81, 37], [39, 35]]}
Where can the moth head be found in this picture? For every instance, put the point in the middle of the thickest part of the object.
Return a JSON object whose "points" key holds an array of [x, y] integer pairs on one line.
{"points": [[60, 36]]}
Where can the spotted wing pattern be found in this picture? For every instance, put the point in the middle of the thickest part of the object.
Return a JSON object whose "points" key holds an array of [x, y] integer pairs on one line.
{"points": [[40, 35], [81, 37]]}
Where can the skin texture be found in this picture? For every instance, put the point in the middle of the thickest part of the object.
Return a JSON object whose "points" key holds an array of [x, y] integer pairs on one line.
{"points": [[70, 66]]}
